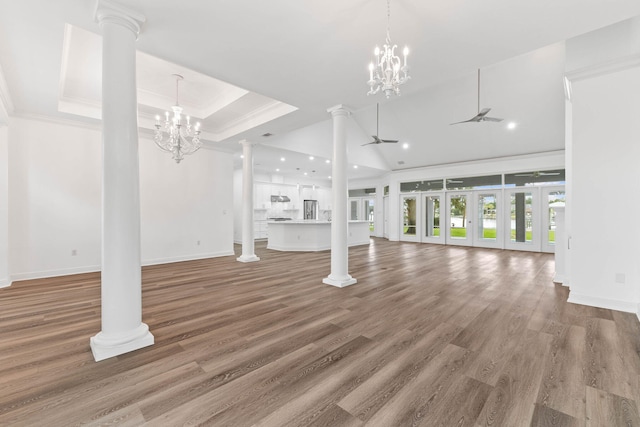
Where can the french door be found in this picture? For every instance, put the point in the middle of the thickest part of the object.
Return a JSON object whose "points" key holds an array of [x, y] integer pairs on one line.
{"points": [[487, 212], [550, 198], [522, 222], [409, 206], [520, 218], [432, 214], [458, 225], [385, 213], [473, 218]]}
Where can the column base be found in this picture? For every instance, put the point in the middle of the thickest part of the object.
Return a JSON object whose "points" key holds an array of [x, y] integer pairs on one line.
{"points": [[104, 347], [341, 282], [247, 258]]}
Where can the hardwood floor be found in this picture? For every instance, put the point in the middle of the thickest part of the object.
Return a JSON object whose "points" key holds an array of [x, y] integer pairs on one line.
{"points": [[430, 336]]}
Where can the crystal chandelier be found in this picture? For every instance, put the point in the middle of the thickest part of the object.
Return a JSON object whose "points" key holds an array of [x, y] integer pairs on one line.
{"points": [[180, 139], [387, 73]]}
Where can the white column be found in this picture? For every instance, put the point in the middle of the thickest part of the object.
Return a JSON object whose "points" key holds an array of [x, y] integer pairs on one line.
{"points": [[339, 223], [122, 327], [248, 247]]}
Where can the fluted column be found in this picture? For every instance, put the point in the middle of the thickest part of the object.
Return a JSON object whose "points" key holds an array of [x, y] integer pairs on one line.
{"points": [[122, 328], [248, 246], [339, 188]]}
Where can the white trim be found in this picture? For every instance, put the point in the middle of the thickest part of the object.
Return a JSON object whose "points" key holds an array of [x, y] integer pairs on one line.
{"points": [[85, 124], [607, 67], [55, 273], [97, 268], [638, 312], [611, 304], [186, 258], [5, 283]]}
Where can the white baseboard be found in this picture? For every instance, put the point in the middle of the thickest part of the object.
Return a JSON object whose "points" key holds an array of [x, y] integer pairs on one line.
{"points": [[186, 258], [5, 283], [97, 268], [559, 278], [54, 273], [612, 304]]}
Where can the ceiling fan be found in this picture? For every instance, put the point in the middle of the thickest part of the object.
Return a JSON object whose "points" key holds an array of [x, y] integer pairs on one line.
{"points": [[377, 140], [482, 114], [538, 174]]}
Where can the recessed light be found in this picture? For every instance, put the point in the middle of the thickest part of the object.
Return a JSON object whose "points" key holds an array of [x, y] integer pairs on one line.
{"points": [[355, 166], [512, 125], [305, 174], [242, 156], [405, 145], [311, 157], [329, 176], [327, 161], [282, 159], [277, 169]]}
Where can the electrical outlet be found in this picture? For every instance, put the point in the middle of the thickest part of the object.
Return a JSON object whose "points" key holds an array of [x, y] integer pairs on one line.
{"points": [[621, 278], [74, 252], [198, 243]]}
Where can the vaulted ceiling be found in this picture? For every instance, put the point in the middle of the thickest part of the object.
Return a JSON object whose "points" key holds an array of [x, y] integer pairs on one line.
{"points": [[275, 67]]}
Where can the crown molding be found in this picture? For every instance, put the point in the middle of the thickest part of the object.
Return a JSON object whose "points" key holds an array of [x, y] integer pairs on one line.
{"points": [[606, 67]]}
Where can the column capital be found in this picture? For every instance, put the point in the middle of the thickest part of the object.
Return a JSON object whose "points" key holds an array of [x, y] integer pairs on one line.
{"points": [[247, 143], [339, 110], [110, 11]]}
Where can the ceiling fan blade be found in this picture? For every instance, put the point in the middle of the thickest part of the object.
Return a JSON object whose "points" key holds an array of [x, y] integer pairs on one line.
{"points": [[491, 119], [524, 174], [549, 173], [368, 143], [465, 121], [483, 112], [391, 141]]}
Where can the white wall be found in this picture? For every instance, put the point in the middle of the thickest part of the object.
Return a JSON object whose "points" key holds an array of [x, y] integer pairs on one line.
{"points": [[605, 239], [4, 210], [186, 208], [602, 152], [55, 201]]}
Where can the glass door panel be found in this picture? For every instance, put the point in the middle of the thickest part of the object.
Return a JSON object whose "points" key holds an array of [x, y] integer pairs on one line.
{"points": [[385, 212], [486, 222], [409, 216], [354, 209], [551, 197], [458, 223], [431, 217], [523, 219], [369, 209]]}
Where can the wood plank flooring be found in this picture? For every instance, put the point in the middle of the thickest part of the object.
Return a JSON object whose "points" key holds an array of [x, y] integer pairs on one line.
{"points": [[429, 336]]}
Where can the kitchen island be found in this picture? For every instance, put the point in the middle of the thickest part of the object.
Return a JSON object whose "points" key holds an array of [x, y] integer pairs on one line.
{"points": [[308, 235]]}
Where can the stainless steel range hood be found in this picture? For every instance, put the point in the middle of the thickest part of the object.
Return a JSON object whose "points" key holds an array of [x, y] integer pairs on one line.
{"points": [[280, 199]]}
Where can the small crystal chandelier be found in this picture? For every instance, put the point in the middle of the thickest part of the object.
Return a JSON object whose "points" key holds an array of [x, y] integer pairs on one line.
{"points": [[180, 139], [387, 74]]}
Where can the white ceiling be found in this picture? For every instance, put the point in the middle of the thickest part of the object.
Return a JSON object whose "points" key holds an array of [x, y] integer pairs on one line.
{"points": [[296, 59]]}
